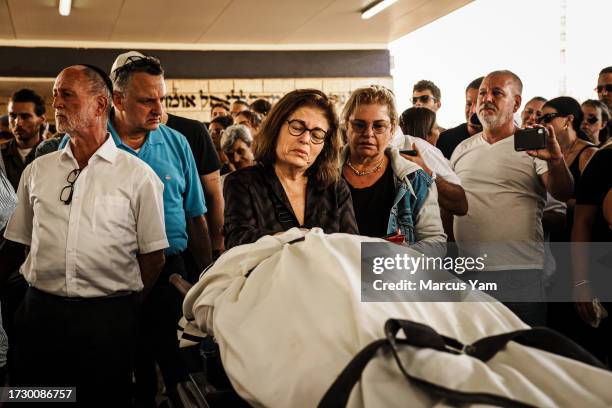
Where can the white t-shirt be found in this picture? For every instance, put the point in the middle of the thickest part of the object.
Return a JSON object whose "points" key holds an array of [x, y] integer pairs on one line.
{"points": [[23, 153], [88, 248], [432, 156], [505, 201]]}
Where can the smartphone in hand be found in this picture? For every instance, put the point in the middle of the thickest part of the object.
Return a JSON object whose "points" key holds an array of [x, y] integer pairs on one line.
{"points": [[530, 139]]}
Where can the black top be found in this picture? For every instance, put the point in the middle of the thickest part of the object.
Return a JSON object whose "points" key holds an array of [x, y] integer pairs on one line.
{"points": [[201, 144], [373, 205], [574, 168], [256, 205], [12, 161], [595, 183], [450, 139], [565, 235]]}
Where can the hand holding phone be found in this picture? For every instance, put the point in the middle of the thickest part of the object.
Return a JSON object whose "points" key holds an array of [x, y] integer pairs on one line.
{"points": [[530, 139]]}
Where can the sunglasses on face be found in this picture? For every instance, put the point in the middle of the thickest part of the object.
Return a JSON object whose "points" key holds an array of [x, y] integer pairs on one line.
{"points": [[422, 99], [592, 120], [359, 126], [549, 117], [607, 87]]}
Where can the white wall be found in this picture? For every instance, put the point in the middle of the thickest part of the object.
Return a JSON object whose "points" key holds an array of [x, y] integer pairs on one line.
{"points": [[520, 35]]}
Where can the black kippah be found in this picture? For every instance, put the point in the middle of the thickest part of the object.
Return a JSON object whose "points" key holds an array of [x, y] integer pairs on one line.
{"points": [[102, 74]]}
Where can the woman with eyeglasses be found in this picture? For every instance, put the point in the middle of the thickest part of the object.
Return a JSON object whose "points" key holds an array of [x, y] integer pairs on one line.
{"points": [[391, 195], [595, 122], [295, 182]]}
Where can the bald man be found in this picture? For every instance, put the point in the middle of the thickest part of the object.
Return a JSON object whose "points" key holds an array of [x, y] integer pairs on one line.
{"points": [[506, 191]]}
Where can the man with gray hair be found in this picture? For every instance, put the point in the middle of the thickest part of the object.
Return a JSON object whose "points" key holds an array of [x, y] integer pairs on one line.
{"points": [[92, 217], [506, 192], [136, 127]]}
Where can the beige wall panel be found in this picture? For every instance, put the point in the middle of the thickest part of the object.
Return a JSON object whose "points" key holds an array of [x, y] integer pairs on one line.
{"points": [[220, 85], [308, 83], [336, 85], [248, 85], [278, 85]]}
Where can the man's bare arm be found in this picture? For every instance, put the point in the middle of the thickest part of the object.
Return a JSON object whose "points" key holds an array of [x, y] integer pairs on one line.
{"points": [[584, 218], [151, 265], [451, 197], [558, 180], [199, 241], [214, 202]]}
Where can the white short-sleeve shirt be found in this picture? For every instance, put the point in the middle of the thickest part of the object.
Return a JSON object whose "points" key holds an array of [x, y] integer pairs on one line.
{"points": [[88, 248], [505, 201]]}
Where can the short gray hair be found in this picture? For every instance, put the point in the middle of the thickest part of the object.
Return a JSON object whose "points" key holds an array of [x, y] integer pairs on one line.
{"points": [[515, 78], [233, 133]]}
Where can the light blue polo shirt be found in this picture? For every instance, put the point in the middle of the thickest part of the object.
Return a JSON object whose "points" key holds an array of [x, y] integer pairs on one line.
{"points": [[167, 152]]}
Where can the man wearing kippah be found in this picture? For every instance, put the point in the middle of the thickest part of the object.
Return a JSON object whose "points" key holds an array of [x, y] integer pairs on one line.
{"points": [[137, 128]]}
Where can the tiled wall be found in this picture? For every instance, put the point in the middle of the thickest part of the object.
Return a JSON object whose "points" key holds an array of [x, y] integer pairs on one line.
{"points": [[193, 98]]}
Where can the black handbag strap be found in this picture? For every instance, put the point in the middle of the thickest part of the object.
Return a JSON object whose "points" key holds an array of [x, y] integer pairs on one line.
{"points": [[422, 336]]}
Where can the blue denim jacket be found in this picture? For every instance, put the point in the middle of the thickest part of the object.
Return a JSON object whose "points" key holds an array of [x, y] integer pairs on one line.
{"points": [[414, 190]]}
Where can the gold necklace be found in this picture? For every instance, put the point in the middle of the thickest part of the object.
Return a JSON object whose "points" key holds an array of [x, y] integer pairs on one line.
{"points": [[365, 172]]}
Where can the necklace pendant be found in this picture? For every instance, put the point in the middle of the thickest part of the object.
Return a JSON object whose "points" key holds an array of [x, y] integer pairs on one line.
{"points": [[365, 172]]}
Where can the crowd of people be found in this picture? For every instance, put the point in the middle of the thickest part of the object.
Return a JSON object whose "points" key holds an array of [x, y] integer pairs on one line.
{"points": [[125, 197]]}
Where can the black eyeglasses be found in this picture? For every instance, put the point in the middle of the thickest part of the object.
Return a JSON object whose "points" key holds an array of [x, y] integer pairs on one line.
{"points": [[549, 117], [66, 193], [592, 120], [607, 87], [422, 99], [359, 126], [298, 127]]}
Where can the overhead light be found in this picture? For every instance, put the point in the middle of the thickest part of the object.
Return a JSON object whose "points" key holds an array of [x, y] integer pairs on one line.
{"points": [[375, 8], [64, 7]]}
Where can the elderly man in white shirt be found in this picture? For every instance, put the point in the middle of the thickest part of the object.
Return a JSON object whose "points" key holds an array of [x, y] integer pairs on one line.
{"points": [[92, 216]]}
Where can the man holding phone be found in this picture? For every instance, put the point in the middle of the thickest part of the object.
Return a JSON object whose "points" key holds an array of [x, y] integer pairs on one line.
{"points": [[506, 195]]}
